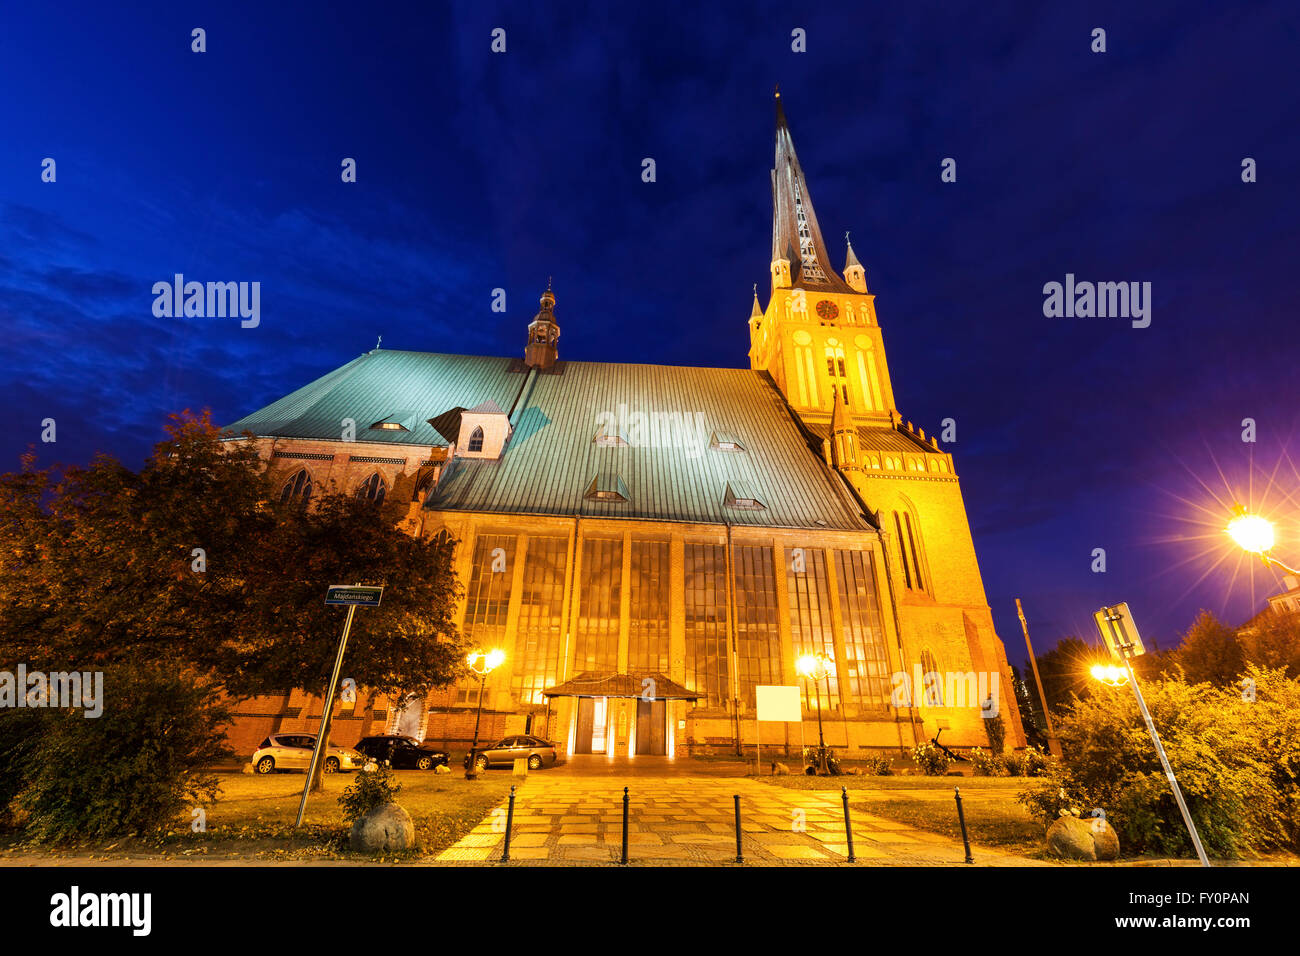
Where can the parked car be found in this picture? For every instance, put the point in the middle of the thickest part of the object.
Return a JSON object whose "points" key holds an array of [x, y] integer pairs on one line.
{"points": [[293, 752], [402, 752], [538, 752]]}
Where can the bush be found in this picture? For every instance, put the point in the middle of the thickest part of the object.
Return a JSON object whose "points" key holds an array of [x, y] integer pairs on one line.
{"points": [[987, 764], [133, 769], [1034, 762], [372, 789], [879, 767], [1237, 761], [996, 729], [932, 761], [20, 732]]}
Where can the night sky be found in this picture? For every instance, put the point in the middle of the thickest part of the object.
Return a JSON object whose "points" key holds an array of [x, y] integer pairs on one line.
{"points": [[478, 170]]}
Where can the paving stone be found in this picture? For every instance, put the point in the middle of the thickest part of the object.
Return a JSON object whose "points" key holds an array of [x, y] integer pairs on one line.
{"points": [[796, 853]]}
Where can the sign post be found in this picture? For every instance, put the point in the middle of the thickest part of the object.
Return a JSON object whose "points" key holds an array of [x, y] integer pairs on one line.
{"points": [[353, 597], [1121, 636]]}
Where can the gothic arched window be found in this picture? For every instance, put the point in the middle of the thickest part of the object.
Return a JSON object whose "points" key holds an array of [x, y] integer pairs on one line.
{"points": [[372, 489], [297, 488], [476, 440]]}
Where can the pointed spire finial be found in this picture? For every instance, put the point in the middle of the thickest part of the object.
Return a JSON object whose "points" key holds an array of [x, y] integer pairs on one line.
{"points": [[379, 343]]}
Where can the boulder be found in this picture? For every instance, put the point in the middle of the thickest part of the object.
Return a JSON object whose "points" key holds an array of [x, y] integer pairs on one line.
{"points": [[442, 768], [385, 829], [780, 769], [1071, 838]]}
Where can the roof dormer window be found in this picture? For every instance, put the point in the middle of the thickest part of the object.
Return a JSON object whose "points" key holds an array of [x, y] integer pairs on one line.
{"points": [[607, 437], [607, 486], [390, 426], [475, 440], [725, 441], [741, 497]]}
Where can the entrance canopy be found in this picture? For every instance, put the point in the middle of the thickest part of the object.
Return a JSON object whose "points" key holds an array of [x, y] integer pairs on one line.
{"points": [[652, 686]]}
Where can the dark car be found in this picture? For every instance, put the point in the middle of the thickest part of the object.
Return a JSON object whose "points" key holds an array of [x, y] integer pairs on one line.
{"points": [[402, 752], [538, 752]]}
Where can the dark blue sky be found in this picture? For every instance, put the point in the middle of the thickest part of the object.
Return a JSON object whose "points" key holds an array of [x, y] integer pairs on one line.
{"points": [[479, 171]]}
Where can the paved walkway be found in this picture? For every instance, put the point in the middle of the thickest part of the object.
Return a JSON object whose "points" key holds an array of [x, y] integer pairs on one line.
{"points": [[690, 821]]}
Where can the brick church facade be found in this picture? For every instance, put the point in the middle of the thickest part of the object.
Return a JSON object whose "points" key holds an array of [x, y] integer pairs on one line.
{"points": [[650, 544]]}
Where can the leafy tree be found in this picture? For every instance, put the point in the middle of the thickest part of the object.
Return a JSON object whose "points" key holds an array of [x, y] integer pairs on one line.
{"points": [[1209, 652], [1030, 712], [1272, 640], [195, 562], [1065, 672]]}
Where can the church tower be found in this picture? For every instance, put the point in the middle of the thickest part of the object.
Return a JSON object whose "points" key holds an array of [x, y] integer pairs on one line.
{"points": [[543, 348], [820, 341], [818, 336]]}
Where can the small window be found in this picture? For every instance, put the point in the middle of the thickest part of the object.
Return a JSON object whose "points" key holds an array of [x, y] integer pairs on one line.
{"points": [[372, 489], [741, 497], [476, 440], [297, 488], [607, 437], [607, 487], [725, 441]]}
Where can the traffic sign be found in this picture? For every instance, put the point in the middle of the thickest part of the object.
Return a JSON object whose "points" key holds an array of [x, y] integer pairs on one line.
{"points": [[1119, 632], [357, 594]]}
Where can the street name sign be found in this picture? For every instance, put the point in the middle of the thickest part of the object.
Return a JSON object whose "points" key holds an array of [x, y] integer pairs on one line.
{"points": [[356, 594]]}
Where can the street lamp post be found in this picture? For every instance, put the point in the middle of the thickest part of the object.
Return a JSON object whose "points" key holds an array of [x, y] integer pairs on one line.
{"points": [[481, 663], [818, 667]]}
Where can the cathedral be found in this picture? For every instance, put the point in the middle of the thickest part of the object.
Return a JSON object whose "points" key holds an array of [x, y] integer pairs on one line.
{"points": [[649, 545]]}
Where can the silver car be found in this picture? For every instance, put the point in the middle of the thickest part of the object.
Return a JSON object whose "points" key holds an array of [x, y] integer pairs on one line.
{"points": [[293, 752]]}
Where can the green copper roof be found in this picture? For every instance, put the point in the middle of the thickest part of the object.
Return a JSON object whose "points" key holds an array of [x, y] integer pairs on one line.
{"points": [[667, 415]]}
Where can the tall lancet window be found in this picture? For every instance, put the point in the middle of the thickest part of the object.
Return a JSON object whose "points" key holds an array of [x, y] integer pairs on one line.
{"points": [[297, 488], [835, 369], [372, 489]]}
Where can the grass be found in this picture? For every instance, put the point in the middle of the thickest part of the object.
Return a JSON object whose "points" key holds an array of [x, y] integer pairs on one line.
{"points": [[993, 817], [254, 819], [944, 785]]}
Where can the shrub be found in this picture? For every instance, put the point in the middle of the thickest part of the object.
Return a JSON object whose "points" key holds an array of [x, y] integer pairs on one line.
{"points": [[997, 734], [1034, 762], [133, 769], [879, 767], [932, 761], [20, 732], [987, 764], [371, 790], [1236, 759]]}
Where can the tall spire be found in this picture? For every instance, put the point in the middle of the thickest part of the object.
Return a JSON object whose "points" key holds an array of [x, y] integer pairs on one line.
{"points": [[796, 237], [757, 311]]}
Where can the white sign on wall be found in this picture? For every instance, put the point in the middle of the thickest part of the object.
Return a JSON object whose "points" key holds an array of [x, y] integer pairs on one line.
{"points": [[777, 702]]}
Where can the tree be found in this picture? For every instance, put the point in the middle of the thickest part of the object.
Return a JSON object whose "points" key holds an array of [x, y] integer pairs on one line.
{"points": [[1065, 672], [1209, 653], [1272, 640], [193, 561], [1030, 711]]}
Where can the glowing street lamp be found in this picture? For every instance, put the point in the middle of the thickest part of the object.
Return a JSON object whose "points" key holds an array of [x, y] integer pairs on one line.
{"points": [[1110, 675], [817, 667], [481, 663], [1255, 535]]}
